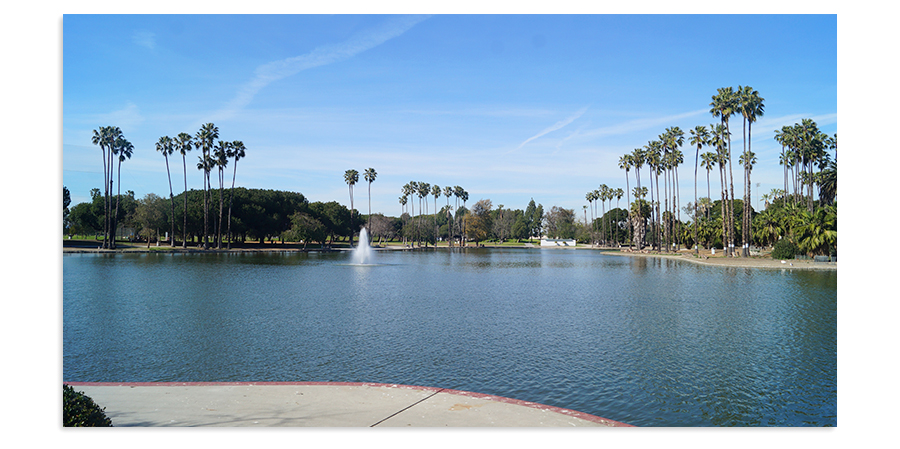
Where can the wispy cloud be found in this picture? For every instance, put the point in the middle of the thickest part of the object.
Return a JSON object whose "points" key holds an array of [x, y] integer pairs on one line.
{"points": [[127, 118], [324, 55], [554, 127], [642, 124], [144, 39]]}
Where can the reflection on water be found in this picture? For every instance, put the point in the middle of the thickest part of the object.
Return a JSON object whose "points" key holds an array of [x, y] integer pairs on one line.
{"points": [[645, 341]]}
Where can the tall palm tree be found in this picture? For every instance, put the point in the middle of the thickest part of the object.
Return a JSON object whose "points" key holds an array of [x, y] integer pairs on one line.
{"points": [[708, 161], [724, 104], [101, 139], [436, 193], [206, 138], [351, 177], [166, 146], [699, 137], [718, 141], [653, 151], [672, 139], [448, 192], [751, 107], [222, 151], [369, 175], [748, 159], [618, 194], [625, 163], [125, 149], [183, 144], [590, 199], [238, 152]]}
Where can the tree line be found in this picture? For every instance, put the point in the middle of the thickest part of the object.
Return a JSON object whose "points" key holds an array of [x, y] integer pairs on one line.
{"points": [[810, 180]]}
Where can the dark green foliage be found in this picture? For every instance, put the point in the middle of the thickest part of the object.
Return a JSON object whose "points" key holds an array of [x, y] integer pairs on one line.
{"points": [[785, 249], [81, 411]]}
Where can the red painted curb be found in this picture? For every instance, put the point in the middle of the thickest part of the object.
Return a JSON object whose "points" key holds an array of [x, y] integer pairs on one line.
{"points": [[490, 397]]}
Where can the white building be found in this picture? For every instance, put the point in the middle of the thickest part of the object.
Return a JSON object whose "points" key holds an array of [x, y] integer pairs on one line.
{"points": [[562, 243]]}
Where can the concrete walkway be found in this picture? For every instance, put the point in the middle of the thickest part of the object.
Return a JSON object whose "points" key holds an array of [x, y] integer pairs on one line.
{"points": [[319, 404]]}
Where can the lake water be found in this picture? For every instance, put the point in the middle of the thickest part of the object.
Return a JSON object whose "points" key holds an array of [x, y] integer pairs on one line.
{"points": [[644, 341]]}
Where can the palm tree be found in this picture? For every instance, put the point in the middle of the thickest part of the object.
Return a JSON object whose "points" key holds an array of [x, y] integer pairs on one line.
{"points": [[206, 138], [654, 161], [625, 163], [699, 137], [751, 107], [590, 199], [748, 159], [166, 147], [351, 177], [238, 151], [708, 161], [724, 104], [436, 192], [717, 141], [618, 194], [369, 176], [448, 192], [183, 144], [101, 139], [222, 151], [125, 148]]}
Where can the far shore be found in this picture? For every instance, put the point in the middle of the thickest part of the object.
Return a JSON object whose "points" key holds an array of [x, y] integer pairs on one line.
{"points": [[706, 256]]}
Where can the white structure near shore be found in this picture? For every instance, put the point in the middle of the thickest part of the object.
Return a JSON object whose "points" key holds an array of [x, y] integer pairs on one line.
{"points": [[570, 243]]}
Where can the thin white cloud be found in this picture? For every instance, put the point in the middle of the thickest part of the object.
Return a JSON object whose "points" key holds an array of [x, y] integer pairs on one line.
{"points": [[127, 118], [324, 55], [144, 39], [555, 126], [641, 124]]}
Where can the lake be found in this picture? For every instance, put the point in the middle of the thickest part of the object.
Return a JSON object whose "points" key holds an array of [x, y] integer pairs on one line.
{"points": [[644, 341]]}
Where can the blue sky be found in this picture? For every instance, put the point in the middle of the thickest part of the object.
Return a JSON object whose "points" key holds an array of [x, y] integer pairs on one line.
{"points": [[510, 107]]}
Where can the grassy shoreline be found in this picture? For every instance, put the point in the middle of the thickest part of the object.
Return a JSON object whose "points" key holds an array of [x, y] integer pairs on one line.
{"points": [[706, 258]]}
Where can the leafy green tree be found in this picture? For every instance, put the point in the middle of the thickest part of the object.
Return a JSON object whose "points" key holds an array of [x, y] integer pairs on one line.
{"points": [[307, 228], [479, 227], [150, 215], [560, 223], [67, 199]]}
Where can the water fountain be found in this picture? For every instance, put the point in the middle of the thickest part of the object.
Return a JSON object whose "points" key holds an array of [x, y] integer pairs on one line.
{"points": [[362, 255]]}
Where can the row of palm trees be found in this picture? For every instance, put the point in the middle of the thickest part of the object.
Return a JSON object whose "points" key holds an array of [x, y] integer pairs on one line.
{"points": [[215, 156], [803, 148], [113, 145], [351, 177], [603, 194], [422, 190]]}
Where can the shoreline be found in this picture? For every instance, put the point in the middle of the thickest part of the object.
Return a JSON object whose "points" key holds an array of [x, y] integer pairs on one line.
{"points": [[736, 262], [687, 256]]}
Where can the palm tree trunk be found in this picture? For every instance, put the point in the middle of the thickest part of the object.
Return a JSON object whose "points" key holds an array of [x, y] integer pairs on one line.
{"points": [[171, 199], [184, 231], [231, 202], [116, 215]]}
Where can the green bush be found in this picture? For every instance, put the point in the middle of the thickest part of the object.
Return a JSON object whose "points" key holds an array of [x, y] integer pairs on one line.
{"points": [[785, 249], [81, 411]]}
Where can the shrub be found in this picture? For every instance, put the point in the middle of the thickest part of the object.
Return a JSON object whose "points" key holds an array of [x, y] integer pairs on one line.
{"points": [[785, 249], [81, 411]]}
